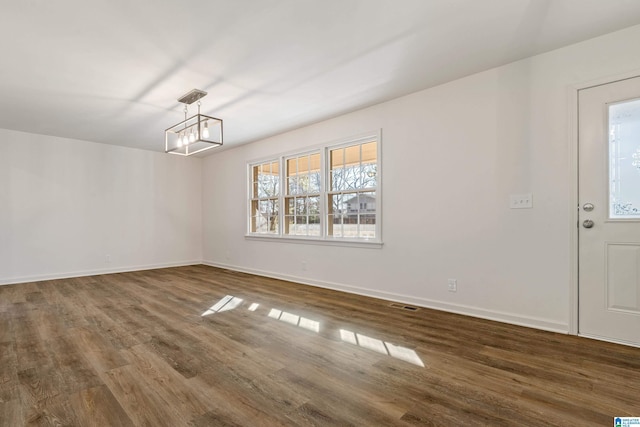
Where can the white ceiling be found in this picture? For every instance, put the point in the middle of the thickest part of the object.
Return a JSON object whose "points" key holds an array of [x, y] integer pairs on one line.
{"points": [[110, 71]]}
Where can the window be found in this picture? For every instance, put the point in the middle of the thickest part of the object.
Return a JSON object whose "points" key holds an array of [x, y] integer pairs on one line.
{"points": [[302, 202], [351, 198], [265, 190], [329, 193]]}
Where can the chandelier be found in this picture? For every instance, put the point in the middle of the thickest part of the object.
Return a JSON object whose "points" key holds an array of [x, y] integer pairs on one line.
{"points": [[194, 134]]}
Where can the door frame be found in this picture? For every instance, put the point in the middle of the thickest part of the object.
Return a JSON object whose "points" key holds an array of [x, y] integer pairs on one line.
{"points": [[574, 254]]}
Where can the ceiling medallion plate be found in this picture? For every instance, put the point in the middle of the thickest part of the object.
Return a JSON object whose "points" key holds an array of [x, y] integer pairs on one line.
{"points": [[192, 96]]}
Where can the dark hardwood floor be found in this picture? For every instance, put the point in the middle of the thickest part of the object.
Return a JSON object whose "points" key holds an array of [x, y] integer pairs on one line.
{"points": [[202, 346]]}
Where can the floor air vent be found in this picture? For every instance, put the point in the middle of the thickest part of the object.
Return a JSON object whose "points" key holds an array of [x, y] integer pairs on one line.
{"points": [[403, 306]]}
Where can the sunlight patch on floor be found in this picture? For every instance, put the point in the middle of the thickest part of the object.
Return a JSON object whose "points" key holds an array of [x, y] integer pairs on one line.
{"points": [[295, 320], [226, 303], [230, 302], [383, 347]]}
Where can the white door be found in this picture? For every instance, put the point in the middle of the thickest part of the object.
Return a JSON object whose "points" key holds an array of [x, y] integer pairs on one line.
{"points": [[609, 211]]}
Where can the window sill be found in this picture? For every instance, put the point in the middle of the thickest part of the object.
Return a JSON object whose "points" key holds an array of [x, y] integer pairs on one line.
{"points": [[369, 244]]}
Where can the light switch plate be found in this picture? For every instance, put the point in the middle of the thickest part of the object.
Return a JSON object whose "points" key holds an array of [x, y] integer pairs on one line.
{"points": [[521, 201]]}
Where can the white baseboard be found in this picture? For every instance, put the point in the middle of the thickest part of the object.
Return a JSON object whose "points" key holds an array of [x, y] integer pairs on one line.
{"points": [[82, 273], [611, 340], [511, 318], [504, 317]]}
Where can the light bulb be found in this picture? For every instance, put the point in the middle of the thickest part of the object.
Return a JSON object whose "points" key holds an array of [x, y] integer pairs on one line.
{"points": [[185, 139], [205, 131], [192, 136], [179, 140]]}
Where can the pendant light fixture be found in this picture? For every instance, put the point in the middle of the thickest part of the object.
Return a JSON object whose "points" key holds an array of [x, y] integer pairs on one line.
{"points": [[194, 134]]}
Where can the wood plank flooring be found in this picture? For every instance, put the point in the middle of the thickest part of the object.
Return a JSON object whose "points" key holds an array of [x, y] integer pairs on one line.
{"points": [[134, 349]]}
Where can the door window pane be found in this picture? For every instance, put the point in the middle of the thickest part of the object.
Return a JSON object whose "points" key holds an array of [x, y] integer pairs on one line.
{"points": [[624, 160]]}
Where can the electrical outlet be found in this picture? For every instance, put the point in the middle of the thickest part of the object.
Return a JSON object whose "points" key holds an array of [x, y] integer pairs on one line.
{"points": [[521, 201], [452, 285], [107, 258], [303, 265]]}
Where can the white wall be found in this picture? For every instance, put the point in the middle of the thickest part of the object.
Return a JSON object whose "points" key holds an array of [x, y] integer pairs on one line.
{"points": [[65, 205], [451, 156]]}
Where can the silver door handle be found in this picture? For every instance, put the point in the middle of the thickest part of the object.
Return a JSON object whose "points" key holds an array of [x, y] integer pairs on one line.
{"points": [[587, 223]]}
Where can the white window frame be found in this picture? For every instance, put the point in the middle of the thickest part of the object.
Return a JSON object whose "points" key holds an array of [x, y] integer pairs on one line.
{"points": [[272, 159], [324, 150], [286, 195]]}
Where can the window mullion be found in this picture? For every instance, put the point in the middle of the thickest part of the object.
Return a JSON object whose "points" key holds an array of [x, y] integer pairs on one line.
{"points": [[378, 189], [322, 202], [359, 178], [282, 195]]}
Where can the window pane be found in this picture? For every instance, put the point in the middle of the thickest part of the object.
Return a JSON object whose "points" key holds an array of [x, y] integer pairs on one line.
{"points": [[336, 180], [292, 167], [313, 205], [352, 155], [289, 224], [314, 225], [303, 165], [624, 160], [367, 218], [368, 175], [303, 216], [352, 204], [255, 170], [293, 185], [290, 206], [354, 167], [337, 158], [303, 174], [348, 178], [297, 225], [314, 182], [367, 230], [275, 168], [353, 215], [301, 229], [370, 152], [369, 200], [336, 201], [260, 224], [273, 205], [314, 163], [273, 223], [303, 184], [266, 180], [335, 226], [266, 218], [267, 188]]}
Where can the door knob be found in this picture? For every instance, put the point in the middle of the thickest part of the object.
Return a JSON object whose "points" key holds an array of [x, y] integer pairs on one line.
{"points": [[588, 207], [587, 223]]}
